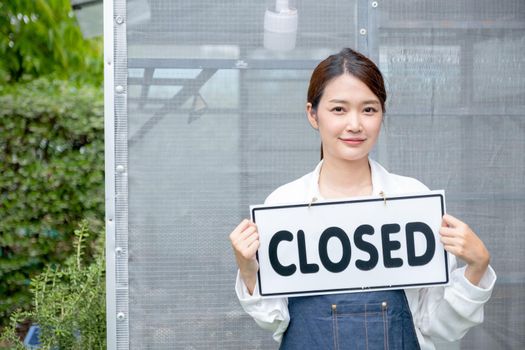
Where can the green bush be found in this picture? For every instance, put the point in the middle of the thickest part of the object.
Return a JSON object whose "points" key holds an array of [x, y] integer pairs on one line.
{"points": [[68, 301], [52, 160]]}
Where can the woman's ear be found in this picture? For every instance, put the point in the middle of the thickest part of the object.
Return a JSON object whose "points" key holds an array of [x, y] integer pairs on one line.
{"points": [[311, 113]]}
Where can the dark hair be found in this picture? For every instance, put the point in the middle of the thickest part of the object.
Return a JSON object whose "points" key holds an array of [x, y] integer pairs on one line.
{"points": [[350, 62]]}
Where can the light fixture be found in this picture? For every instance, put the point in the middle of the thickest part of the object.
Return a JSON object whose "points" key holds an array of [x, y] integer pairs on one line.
{"points": [[280, 27]]}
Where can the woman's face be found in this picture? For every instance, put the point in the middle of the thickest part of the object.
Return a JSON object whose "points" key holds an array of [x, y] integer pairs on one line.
{"points": [[348, 118]]}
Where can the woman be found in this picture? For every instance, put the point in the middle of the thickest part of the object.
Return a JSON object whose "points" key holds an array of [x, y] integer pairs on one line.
{"points": [[346, 102]]}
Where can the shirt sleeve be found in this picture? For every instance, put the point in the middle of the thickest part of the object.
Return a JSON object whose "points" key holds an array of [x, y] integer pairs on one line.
{"points": [[447, 313], [269, 313]]}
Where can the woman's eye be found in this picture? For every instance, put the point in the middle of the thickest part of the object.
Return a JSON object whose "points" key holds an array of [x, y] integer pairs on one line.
{"points": [[337, 109], [370, 110]]}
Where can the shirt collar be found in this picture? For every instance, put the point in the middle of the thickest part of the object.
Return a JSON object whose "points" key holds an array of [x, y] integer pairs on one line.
{"points": [[376, 170]]}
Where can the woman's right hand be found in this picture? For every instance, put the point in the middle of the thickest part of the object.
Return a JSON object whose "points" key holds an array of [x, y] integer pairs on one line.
{"points": [[245, 242]]}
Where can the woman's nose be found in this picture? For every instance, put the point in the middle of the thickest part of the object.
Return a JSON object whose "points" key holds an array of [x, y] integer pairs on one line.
{"points": [[353, 123]]}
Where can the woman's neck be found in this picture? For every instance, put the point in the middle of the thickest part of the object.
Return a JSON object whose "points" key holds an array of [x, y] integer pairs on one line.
{"points": [[341, 178]]}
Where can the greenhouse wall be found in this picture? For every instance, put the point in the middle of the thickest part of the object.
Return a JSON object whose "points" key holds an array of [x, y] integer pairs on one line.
{"points": [[205, 115]]}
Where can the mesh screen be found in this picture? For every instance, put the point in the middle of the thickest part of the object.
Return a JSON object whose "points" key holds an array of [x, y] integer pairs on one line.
{"points": [[215, 122]]}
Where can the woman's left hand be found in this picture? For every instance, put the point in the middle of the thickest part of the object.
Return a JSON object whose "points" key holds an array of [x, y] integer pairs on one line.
{"points": [[459, 239]]}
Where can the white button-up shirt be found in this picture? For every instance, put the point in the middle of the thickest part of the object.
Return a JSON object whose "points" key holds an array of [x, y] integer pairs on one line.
{"points": [[439, 313]]}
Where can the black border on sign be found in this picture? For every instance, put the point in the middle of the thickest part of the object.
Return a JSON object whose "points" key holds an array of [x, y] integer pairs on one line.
{"points": [[356, 288]]}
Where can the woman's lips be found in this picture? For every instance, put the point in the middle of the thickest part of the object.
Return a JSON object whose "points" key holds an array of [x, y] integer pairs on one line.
{"points": [[352, 140]]}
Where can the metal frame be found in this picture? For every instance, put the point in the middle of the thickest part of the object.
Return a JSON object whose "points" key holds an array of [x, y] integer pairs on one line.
{"points": [[117, 139], [109, 144], [116, 161], [206, 63], [120, 253], [191, 86]]}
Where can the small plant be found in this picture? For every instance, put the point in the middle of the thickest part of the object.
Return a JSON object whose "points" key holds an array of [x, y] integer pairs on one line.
{"points": [[68, 301]]}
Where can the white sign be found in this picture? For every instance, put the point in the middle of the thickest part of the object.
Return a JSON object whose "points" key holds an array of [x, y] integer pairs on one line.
{"points": [[351, 246]]}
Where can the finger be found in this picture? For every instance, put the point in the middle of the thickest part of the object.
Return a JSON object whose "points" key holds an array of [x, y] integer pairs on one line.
{"points": [[252, 225], [244, 240], [248, 248], [451, 249], [245, 234], [252, 238], [452, 221], [449, 241], [252, 249], [448, 231], [241, 227], [248, 231], [452, 243]]}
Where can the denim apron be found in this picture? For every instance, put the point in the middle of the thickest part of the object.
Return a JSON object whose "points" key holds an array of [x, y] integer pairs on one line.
{"points": [[370, 320]]}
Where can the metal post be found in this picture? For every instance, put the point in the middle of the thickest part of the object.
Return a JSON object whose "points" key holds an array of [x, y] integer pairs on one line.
{"points": [[109, 141]]}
